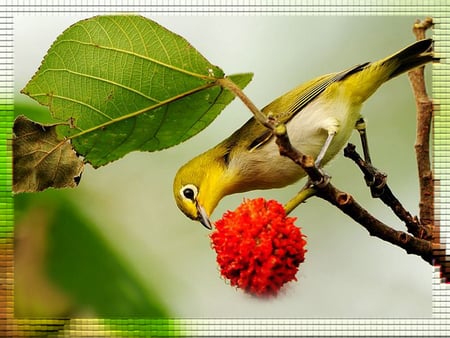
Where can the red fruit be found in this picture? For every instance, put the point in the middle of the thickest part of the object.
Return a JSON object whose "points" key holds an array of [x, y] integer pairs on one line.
{"points": [[258, 247]]}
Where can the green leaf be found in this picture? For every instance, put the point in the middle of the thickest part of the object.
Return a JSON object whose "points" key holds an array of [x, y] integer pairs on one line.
{"points": [[125, 83], [41, 159]]}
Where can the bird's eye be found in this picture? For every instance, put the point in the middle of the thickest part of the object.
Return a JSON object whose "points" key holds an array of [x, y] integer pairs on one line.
{"points": [[189, 191]]}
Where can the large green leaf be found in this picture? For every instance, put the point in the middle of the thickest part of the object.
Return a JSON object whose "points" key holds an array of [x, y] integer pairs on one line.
{"points": [[125, 83]]}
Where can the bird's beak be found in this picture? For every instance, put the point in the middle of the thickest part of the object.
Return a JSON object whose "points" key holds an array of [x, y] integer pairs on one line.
{"points": [[203, 217]]}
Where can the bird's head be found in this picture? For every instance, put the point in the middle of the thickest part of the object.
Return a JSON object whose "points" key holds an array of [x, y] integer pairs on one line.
{"points": [[199, 185]]}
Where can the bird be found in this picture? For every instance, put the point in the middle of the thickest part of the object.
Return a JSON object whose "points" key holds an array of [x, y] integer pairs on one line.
{"points": [[319, 115]]}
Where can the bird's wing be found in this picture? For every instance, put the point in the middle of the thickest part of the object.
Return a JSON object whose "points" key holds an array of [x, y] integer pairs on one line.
{"points": [[300, 98], [305, 93]]}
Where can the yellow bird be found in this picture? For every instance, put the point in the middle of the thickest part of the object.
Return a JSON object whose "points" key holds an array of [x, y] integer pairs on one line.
{"points": [[319, 116]]}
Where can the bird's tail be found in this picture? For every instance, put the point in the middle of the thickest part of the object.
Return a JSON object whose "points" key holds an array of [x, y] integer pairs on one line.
{"points": [[415, 55], [363, 82]]}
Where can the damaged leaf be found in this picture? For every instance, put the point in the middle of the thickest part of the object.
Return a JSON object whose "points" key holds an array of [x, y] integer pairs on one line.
{"points": [[41, 159]]}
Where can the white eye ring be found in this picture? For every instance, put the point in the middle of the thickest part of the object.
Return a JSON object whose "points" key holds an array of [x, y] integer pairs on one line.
{"points": [[189, 191]]}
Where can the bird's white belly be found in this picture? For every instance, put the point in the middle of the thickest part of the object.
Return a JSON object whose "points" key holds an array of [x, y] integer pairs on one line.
{"points": [[265, 168], [309, 129]]}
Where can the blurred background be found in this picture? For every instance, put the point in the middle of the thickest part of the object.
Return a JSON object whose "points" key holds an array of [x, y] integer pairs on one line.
{"points": [[118, 246]]}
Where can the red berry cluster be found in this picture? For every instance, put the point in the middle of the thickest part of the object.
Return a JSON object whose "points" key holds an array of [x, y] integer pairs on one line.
{"points": [[258, 247]]}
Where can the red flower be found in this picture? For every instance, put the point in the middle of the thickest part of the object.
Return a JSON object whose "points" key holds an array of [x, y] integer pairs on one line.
{"points": [[258, 247]]}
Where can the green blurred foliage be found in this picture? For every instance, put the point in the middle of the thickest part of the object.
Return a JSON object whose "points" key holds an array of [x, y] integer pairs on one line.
{"points": [[73, 259]]}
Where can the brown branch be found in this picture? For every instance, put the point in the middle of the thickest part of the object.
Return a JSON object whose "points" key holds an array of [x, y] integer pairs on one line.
{"points": [[306, 162], [259, 116], [325, 190], [424, 107], [350, 207], [347, 204], [381, 190]]}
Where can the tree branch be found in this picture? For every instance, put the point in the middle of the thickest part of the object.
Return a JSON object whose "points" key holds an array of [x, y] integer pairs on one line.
{"points": [[424, 116], [424, 107], [381, 190], [347, 204]]}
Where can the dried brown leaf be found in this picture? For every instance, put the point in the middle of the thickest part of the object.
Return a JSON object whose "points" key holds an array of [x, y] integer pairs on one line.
{"points": [[41, 159]]}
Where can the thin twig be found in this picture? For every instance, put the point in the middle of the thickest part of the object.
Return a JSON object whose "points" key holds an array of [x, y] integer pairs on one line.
{"points": [[300, 198], [381, 190], [259, 116], [350, 207]]}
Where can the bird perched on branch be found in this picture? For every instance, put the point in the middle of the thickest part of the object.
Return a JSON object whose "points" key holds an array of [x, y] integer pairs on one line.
{"points": [[319, 115]]}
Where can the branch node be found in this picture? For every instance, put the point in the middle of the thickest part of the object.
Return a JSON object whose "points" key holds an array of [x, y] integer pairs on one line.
{"points": [[322, 182], [420, 27], [403, 237], [307, 161], [280, 128], [343, 198]]}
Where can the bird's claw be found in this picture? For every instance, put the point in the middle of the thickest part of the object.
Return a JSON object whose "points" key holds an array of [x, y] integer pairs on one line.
{"points": [[322, 181]]}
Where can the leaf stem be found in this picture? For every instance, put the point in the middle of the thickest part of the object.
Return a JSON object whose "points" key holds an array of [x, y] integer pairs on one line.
{"points": [[259, 116], [298, 199], [380, 189]]}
